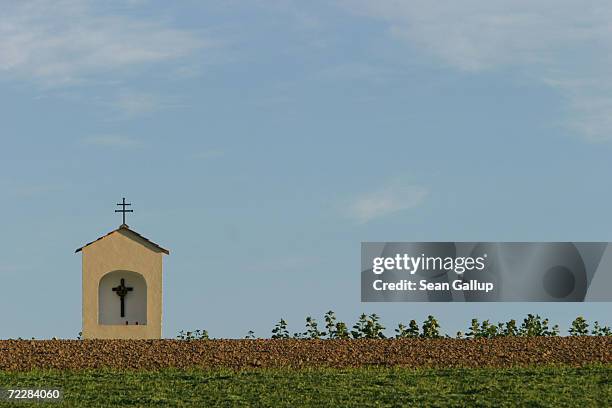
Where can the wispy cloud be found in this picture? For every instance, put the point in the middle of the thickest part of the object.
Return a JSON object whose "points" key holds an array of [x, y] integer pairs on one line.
{"points": [[132, 104], [283, 264], [36, 190], [388, 200], [562, 44], [112, 141], [6, 270], [208, 154], [357, 71], [66, 41]]}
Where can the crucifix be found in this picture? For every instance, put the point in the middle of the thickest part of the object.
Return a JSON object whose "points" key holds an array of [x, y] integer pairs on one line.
{"points": [[121, 291], [123, 210]]}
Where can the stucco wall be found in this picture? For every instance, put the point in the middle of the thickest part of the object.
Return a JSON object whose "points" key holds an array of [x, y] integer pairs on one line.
{"points": [[122, 251]]}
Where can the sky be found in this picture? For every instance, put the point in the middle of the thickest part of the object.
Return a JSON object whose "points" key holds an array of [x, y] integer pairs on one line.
{"points": [[262, 141]]}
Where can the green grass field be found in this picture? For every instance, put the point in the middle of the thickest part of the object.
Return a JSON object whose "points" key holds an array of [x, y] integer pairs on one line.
{"points": [[550, 386]]}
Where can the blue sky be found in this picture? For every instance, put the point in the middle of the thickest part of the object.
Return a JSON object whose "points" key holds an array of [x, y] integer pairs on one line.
{"points": [[262, 141]]}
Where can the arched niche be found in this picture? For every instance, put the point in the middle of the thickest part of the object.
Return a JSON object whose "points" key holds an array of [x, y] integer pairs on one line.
{"points": [[135, 299]]}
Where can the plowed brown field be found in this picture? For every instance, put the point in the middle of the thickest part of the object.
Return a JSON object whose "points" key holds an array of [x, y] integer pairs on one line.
{"points": [[22, 355]]}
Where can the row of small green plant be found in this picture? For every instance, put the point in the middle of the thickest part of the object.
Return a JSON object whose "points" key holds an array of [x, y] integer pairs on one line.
{"points": [[370, 327]]}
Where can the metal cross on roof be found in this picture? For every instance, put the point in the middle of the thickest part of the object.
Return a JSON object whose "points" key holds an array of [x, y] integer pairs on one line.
{"points": [[123, 210]]}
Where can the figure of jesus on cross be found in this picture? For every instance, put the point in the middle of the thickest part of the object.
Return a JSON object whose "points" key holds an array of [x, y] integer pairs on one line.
{"points": [[121, 291]]}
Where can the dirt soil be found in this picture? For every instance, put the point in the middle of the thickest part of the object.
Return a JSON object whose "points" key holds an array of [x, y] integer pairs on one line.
{"points": [[23, 355]]}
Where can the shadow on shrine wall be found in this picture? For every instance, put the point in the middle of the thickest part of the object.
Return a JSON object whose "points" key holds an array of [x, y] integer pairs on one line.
{"points": [[135, 302]]}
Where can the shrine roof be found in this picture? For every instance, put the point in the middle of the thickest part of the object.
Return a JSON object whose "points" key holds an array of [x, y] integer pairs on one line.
{"points": [[125, 228]]}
